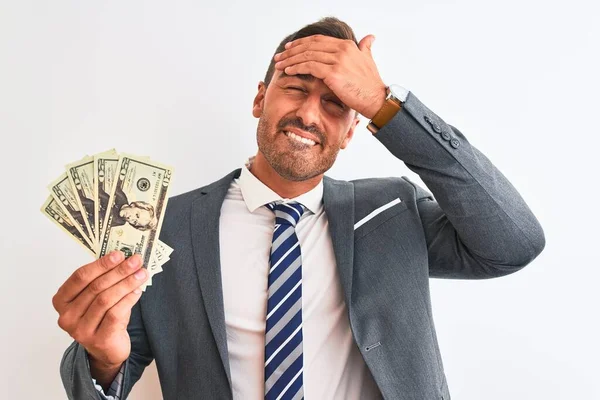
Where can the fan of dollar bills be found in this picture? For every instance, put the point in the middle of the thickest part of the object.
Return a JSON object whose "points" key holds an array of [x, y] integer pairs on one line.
{"points": [[111, 201]]}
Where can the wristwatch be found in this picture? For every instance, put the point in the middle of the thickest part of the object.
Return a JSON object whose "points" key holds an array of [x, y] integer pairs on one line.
{"points": [[396, 96]]}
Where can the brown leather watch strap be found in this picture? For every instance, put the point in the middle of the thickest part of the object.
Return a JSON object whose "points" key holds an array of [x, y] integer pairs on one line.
{"points": [[384, 115]]}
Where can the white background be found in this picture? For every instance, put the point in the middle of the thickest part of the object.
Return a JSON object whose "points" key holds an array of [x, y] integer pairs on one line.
{"points": [[175, 80]]}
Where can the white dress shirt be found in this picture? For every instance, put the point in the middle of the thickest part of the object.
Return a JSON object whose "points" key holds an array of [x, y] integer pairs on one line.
{"points": [[333, 365]]}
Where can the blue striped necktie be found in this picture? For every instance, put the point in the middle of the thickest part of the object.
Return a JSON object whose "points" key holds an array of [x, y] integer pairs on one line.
{"points": [[283, 341]]}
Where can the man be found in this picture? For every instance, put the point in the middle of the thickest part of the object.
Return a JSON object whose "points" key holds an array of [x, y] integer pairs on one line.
{"points": [[286, 283], [139, 214]]}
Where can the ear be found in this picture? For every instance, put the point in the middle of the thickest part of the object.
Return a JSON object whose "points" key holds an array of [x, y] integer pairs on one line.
{"points": [[259, 100], [350, 133]]}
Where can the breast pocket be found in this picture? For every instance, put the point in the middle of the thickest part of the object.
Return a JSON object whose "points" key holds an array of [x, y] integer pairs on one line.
{"points": [[378, 216]]}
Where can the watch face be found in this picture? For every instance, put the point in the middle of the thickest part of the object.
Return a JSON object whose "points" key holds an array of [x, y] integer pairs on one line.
{"points": [[399, 92]]}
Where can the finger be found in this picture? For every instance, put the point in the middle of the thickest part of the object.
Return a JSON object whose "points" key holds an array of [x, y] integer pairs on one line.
{"points": [[117, 318], [309, 55], [83, 276], [107, 299], [73, 317], [314, 68], [366, 43], [80, 305], [313, 39], [310, 46]]}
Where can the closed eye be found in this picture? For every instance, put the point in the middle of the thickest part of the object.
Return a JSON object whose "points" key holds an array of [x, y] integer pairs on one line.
{"points": [[337, 103], [340, 105]]}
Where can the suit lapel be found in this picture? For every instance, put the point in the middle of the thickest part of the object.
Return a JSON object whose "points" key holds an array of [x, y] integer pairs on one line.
{"points": [[338, 198], [205, 214]]}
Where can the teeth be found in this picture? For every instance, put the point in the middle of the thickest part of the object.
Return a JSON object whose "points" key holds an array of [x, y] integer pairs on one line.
{"points": [[299, 138]]}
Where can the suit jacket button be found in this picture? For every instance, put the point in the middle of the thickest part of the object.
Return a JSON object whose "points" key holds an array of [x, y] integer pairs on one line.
{"points": [[436, 128], [445, 135], [427, 119], [454, 143]]}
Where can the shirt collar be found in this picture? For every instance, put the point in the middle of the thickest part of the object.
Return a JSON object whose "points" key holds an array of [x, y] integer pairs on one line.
{"points": [[256, 194]]}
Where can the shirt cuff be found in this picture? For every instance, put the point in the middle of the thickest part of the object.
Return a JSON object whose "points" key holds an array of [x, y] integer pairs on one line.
{"points": [[114, 392]]}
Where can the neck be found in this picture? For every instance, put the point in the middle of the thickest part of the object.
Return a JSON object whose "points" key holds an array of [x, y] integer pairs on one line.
{"points": [[285, 188]]}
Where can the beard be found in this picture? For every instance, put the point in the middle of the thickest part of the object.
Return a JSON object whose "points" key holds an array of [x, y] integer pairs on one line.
{"points": [[292, 160]]}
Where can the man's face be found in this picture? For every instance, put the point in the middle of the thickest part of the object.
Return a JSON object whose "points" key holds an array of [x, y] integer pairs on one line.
{"points": [[136, 216], [307, 107]]}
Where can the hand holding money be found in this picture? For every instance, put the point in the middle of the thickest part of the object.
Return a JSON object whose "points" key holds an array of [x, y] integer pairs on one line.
{"points": [[113, 205], [94, 306]]}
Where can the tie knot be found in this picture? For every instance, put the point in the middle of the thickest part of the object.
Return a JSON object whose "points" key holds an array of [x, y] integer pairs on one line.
{"points": [[287, 213]]}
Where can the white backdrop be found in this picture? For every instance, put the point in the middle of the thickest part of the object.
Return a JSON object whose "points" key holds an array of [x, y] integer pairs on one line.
{"points": [[175, 80]]}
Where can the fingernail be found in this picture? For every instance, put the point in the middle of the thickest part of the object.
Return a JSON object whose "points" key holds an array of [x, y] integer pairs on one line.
{"points": [[137, 291], [134, 262], [141, 274], [116, 256], [288, 44]]}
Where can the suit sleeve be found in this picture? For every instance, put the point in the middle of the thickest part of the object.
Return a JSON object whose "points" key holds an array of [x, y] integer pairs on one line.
{"points": [[75, 370], [475, 222]]}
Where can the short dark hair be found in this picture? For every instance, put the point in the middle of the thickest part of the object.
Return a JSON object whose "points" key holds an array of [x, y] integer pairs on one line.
{"points": [[328, 26]]}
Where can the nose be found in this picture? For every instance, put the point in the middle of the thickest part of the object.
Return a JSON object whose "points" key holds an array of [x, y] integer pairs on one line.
{"points": [[310, 111]]}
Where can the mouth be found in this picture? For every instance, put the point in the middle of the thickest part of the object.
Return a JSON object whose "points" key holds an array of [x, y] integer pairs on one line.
{"points": [[300, 139]]}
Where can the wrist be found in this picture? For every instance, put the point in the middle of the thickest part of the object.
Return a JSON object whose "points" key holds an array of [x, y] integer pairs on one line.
{"points": [[104, 373], [98, 363], [391, 105], [377, 104]]}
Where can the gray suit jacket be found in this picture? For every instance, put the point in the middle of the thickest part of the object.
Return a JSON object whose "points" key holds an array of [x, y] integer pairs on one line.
{"points": [[477, 226]]}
